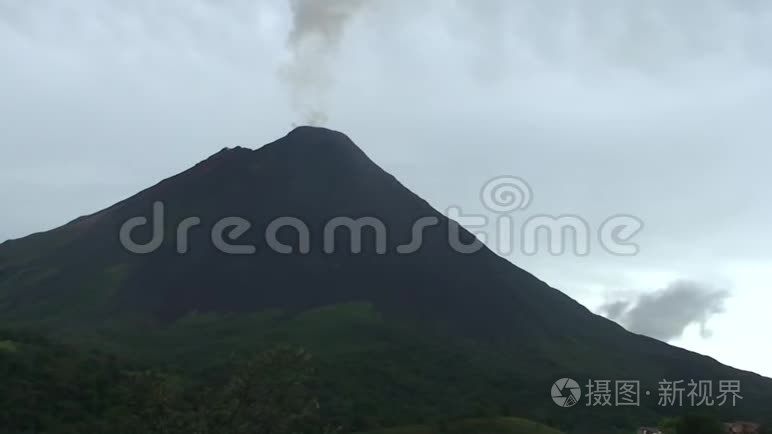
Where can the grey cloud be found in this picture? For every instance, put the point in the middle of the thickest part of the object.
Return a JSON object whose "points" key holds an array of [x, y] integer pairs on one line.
{"points": [[665, 314], [614, 310]]}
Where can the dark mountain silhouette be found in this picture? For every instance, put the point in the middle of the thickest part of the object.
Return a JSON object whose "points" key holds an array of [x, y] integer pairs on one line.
{"points": [[80, 274], [315, 175]]}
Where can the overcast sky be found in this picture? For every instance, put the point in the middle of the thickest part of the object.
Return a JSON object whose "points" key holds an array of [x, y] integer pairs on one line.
{"points": [[656, 109]]}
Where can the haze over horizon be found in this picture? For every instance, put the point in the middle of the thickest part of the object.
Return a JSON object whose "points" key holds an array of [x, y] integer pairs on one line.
{"points": [[655, 110]]}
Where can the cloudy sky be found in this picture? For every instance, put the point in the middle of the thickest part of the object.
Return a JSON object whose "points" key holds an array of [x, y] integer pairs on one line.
{"points": [[658, 110]]}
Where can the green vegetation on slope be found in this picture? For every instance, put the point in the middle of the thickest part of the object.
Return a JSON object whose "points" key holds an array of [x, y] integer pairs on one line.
{"points": [[52, 388], [46, 388], [509, 425], [375, 373]]}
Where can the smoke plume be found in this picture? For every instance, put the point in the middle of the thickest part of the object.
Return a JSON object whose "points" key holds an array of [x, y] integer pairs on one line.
{"points": [[317, 29]]}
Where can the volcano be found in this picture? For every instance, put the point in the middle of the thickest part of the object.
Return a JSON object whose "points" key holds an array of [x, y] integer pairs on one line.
{"points": [[82, 276]]}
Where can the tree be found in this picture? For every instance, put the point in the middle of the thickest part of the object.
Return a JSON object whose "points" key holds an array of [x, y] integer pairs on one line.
{"points": [[270, 393], [698, 424], [669, 425]]}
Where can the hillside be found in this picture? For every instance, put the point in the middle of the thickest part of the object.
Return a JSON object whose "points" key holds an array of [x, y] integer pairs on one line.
{"points": [[475, 426]]}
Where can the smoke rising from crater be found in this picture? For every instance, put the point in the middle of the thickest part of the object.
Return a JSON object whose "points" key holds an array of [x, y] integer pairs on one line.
{"points": [[317, 29]]}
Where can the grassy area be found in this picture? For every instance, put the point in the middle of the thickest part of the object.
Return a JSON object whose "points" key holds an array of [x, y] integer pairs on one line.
{"points": [[475, 426]]}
